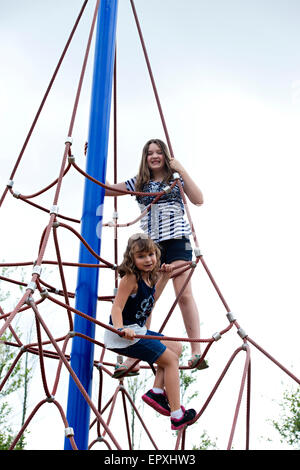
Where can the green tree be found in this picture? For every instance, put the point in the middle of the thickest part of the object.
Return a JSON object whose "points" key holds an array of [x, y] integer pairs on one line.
{"points": [[289, 423], [16, 381]]}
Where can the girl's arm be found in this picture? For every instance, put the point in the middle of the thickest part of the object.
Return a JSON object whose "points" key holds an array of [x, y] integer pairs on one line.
{"points": [[190, 188], [148, 321], [166, 271], [111, 192], [127, 286]]}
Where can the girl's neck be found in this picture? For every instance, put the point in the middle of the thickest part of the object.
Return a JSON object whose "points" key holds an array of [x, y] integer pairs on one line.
{"points": [[158, 176], [146, 278]]}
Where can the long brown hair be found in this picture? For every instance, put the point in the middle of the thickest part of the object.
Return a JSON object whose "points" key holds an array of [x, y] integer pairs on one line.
{"points": [[139, 242], [144, 174]]}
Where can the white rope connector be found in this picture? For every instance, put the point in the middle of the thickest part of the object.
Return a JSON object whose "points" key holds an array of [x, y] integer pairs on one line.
{"points": [[197, 252], [37, 270], [44, 293], [31, 286], [230, 317], [242, 333], [176, 175], [71, 159], [10, 183], [167, 189], [29, 300], [50, 399], [115, 215], [69, 140], [115, 291], [216, 336], [54, 210], [69, 432], [17, 194]]}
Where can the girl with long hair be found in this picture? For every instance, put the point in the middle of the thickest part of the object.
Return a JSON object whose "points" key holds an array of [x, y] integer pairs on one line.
{"points": [[142, 282], [166, 225]]}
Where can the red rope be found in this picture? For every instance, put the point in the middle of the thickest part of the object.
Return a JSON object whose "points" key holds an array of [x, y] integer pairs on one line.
{"points": [[59, 353], [44, 99]]}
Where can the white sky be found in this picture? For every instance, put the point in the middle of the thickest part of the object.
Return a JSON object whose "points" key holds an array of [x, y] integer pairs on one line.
{"points": [[228, 75]]}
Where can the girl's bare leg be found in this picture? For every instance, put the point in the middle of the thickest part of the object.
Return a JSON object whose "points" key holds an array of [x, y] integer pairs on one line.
{"points": [[188, 309], [167, 374], [168, 362]]}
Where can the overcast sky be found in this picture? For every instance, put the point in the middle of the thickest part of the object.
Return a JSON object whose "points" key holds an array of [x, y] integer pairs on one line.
{"points": [[228, 75]]}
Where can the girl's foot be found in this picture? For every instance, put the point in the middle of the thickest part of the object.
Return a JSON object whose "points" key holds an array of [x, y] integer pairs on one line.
{"points": [[195, 362], [185, 420], [158, 401], [120, 370]]}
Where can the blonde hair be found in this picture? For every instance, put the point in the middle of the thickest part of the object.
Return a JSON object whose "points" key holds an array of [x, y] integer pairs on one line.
{"points": [[144, 174], [136, 243]]}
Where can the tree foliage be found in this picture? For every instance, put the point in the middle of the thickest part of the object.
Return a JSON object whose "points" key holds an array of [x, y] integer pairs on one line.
{"points": [[289, 423]]}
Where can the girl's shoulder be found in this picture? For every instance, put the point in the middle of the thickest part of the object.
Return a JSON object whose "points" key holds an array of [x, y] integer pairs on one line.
{"points": [[129, 278], [129, 281]]}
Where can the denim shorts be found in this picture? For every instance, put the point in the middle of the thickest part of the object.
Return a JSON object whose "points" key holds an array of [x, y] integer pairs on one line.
{"points": [[175, 249], [148, 350]]}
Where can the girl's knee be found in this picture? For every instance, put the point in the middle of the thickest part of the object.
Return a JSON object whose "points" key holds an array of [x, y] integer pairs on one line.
{"points": [[168, 357]]}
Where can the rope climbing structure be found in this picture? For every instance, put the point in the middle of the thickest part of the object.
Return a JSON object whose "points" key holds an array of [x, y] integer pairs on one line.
{"points": [[37, 294]]}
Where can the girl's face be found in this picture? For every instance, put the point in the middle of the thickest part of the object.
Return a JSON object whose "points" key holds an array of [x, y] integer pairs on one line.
{"points": [[145, 261], [155, 158]]}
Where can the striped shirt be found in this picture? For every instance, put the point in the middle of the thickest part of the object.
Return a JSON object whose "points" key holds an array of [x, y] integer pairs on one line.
{"points": [[166, 219]]}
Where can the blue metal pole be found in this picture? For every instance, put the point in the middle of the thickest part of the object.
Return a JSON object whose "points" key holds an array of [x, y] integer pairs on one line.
{"points": [[82, 354]]}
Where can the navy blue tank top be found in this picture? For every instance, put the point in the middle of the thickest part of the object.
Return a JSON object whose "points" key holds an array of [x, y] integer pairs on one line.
{"points": [[138, 306]]}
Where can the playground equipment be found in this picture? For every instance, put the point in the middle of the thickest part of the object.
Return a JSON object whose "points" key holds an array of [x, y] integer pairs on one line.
{"points": [[81, 331]]}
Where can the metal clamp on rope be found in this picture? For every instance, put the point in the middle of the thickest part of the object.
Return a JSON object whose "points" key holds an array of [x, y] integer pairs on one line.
{"points": [[50, 399], [54, 210], [44, 293], [242, 333], [216, 336], [69, 432], [10, 183], [231, 318], [71, 159], [115, 215], [29, 300], [17, 194], [69, 140], [167, 189], [31, 286], [55, 224], [37, 270], [176, 175], [197, 252], [115, 291]]}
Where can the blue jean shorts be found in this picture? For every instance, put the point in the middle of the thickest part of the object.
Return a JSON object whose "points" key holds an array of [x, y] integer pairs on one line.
{"points": [[148, 350], [175, 249]]}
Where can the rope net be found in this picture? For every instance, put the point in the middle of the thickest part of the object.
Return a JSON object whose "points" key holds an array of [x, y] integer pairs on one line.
{"points": [[38, 294]]}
